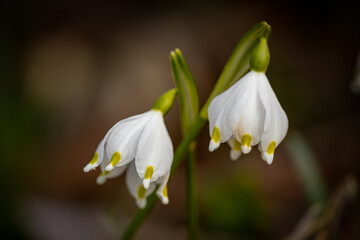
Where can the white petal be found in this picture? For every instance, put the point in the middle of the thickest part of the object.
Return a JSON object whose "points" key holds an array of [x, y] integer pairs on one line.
{"points": [[101, 179], [123, 140], [268, 158], [218, 114], [250, 113], [234, 154], [162, 192], [104, 175], [222, 109], [135, 186], [219, 110], [235, 151], [100, 152], [146, 183], [116, 172], [141, 203], [97, 159], [276, 122], [154, 154], [213, 145]]}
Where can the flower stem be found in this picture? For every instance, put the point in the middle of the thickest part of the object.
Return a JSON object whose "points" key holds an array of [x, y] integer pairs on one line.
{"points": [[191, 195], [180, 153]]}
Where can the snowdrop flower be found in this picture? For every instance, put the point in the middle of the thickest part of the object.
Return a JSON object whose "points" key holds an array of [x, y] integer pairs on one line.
{"points": [[248, 113], [142, 144]]}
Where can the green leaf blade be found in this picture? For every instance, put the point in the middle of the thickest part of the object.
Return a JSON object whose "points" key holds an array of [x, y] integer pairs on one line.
{"points": [[187, 90]]}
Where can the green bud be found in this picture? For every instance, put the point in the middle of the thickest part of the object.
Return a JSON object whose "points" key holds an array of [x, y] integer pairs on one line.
{"points": [[260, 56], [165, 101]]}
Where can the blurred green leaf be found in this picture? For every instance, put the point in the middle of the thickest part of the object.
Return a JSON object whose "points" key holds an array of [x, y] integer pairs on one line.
{"points": [[187, 90], [305, 163], [238, 63]]}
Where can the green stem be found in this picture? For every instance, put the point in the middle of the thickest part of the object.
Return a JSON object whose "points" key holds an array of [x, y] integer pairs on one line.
{"points": [[180, 153], [191, 196]]}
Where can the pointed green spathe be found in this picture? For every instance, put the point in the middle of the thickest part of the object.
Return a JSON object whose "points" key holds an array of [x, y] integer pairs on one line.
{"points": [[187, 90]]}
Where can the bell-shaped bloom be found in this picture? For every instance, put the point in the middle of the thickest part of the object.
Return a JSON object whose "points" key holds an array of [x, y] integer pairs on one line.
{"points": [[248, 113], [136, 188], [142, 143]]}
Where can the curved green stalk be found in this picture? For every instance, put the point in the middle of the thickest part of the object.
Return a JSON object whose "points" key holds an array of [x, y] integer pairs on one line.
{"points": [[180, 153], [189, 109], [191, 193]]}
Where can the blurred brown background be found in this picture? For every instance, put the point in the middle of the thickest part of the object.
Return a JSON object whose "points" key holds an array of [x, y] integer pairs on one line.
{"points": [[70, 69]]}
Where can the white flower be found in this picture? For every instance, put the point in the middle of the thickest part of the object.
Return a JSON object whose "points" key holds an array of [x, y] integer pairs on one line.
{"points": [[142, 143], [247, 114], [136, 188], [138, 191]]}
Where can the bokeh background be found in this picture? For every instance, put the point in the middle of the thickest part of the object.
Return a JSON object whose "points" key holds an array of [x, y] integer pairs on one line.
{"points": [[70, 69]]}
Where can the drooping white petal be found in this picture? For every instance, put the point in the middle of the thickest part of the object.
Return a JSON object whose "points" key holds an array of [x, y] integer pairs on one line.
{"points": [[97, 158], [121, 143], [135, 186], [219, 127], [162, 191], [101, 179], [154, 154], [276, 122], [99, 153], [104, 175], [250, 113], [222, 109], [235, 146]]}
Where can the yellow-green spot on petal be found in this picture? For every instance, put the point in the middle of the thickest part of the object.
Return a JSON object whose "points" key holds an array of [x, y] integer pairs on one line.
{"points": [[271, 148], [141, 192], [237, 145], [95, 158], [216, 136], [164, 191], [104, 173], [115, 159], [149, 172], [246, 140]]}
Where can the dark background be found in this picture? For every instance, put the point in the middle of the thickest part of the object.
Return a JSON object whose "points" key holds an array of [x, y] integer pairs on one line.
{"points": [[69, 70]]}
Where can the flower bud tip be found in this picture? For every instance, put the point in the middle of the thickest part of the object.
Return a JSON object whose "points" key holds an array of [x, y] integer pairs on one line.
{"points": [[165, 101], [260, 56]]}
